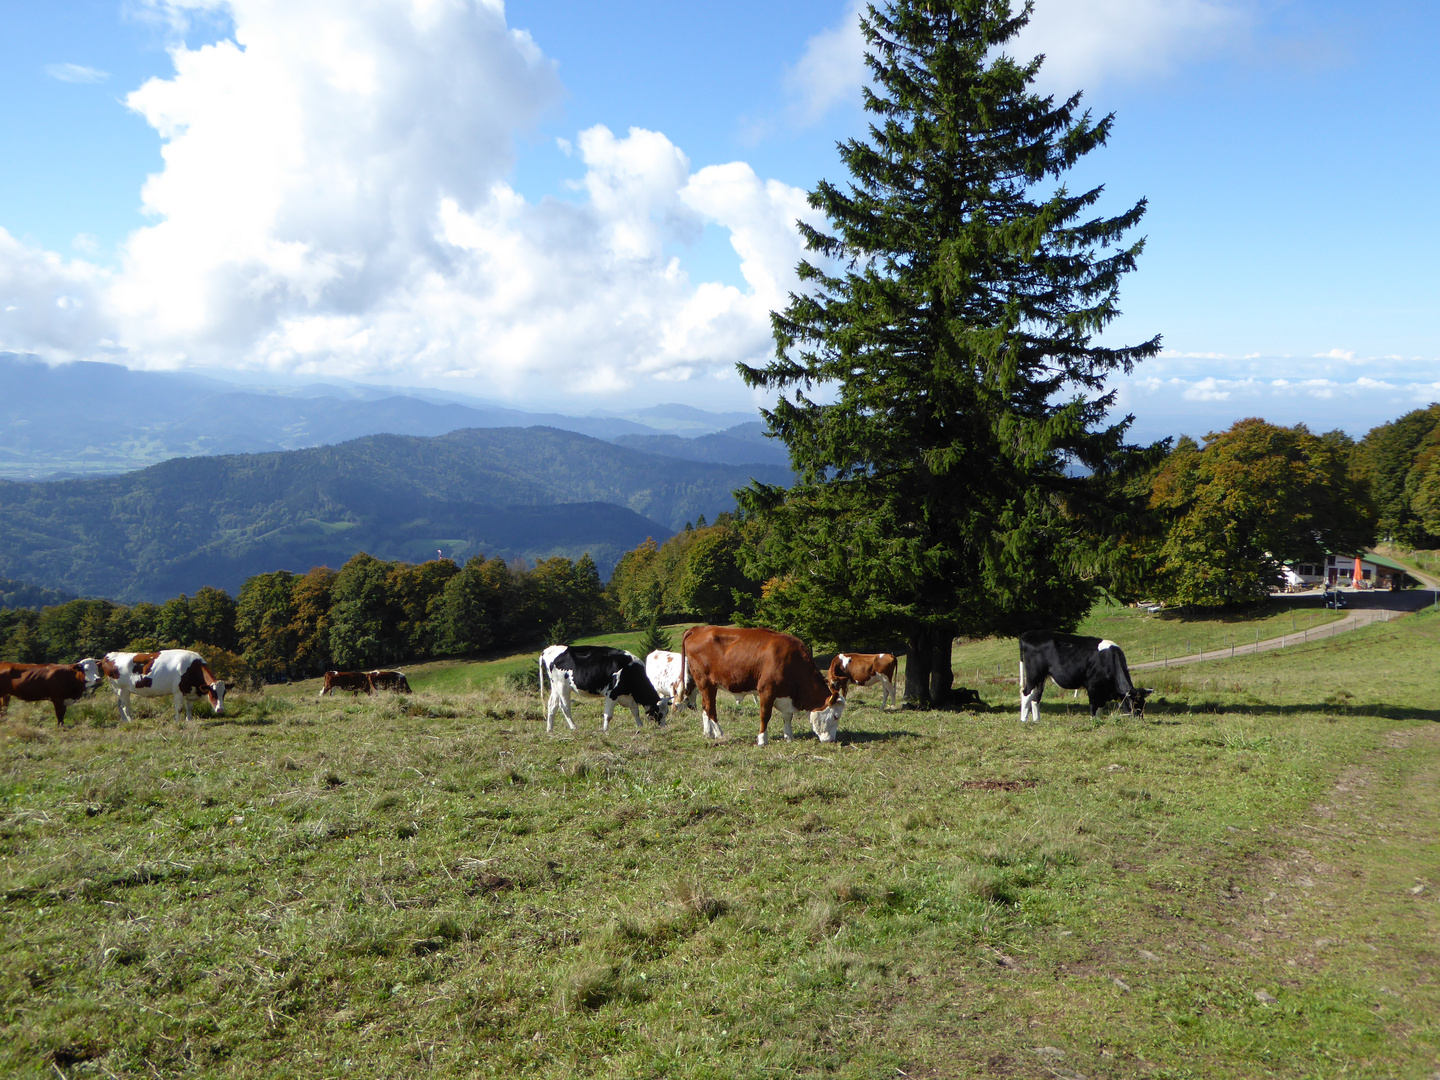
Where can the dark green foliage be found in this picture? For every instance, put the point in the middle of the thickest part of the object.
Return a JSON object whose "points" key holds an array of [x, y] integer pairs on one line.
{"points": [[264, 617], [696, 572], [17, 594], [655, 638], [1252, 499], [956, 473], [1400, 461], [519, 493]]}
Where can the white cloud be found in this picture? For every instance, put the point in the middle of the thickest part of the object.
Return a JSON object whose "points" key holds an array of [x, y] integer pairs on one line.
{"points": [[1085, 42], [1088, 42], [76, 73], [1336, 354], [49, 306], [334, 200], [830, 71]]}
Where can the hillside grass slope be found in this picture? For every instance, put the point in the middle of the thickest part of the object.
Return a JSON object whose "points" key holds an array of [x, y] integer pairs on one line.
{"points": [[1244, 884]]}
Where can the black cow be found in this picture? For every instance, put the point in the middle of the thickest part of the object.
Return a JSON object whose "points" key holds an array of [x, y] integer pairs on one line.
{"points": [[597, 671], [1074, 662]]}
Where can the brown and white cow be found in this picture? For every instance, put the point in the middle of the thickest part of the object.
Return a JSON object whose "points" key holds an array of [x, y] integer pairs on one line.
{"points": [[864, 669], [390, 680], [60, 684], [355, 681], [175, 673], [777, 668]]}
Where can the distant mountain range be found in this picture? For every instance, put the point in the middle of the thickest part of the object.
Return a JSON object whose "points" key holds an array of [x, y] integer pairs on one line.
{"points": [[92, 419], [513, 492]]}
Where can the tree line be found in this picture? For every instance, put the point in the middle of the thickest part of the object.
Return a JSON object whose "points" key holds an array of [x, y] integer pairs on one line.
{"points": [[369, 613]]}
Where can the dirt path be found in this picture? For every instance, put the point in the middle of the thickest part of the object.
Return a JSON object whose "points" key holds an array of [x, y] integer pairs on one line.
{"points": [[1379, 608]]}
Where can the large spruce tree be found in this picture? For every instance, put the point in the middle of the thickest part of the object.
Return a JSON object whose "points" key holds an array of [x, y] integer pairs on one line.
{"points": [[942, 392]]}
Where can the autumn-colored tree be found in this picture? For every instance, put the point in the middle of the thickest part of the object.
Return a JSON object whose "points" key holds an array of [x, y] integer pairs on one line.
{"points": [[311, 601], [1252, 499]]}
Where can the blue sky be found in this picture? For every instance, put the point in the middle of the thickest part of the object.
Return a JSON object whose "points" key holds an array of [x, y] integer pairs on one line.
{"points": [[580, 205]]}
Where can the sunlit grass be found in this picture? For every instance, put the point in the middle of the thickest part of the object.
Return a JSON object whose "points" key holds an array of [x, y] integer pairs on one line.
{"points": [[429, 884]]}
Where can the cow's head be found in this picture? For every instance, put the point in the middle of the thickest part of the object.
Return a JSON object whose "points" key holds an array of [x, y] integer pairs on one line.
{"points": [[93, 670], [1133, 703], [825, 721], [215, 691]]}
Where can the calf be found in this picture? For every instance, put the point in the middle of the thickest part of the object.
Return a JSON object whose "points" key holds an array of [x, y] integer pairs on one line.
{"points": [[175, 673], [354, 681], [60, 684], [390, 680], [776, 667], [864, 669], [598, 671], [1095, 664]]}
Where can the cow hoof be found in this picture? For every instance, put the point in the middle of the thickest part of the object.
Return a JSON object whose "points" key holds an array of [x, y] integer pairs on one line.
{"points": [[761, 739]]}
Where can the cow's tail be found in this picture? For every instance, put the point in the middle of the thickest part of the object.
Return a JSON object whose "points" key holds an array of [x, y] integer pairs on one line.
{"points": [[1023, 688], [540, 664], [685, 670]]}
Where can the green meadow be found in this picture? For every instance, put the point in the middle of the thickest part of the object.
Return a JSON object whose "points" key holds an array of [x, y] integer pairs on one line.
{"points": [[1245, 883]]}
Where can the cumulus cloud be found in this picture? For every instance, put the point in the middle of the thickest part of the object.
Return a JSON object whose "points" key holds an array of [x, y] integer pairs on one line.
{"points": [[76, 73], [334, 199]]}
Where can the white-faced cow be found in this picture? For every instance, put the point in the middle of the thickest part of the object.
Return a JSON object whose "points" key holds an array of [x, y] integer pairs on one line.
{"points": [[1093, 664], [175, 673], [616, 676], [777, 668], [60, 684], [864, 669], [390, 680], [357, 682]]}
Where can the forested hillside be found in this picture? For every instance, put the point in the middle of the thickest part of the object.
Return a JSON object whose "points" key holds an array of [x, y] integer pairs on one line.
{"points": [[510, 492]]}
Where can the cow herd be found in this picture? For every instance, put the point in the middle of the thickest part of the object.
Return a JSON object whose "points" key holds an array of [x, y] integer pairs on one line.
{"points": [[776, 668], [175, 673]]}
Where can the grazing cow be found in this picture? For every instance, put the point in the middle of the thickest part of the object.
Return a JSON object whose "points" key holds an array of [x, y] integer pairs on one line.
{"points": [[598, 671], [60, 684], [663, 668], [1096, 665], [354, 681], [864, 669], [777, 668], [176, 673], [390, 680]]}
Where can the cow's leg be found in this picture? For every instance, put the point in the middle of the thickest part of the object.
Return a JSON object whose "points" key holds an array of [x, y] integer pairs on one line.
{"points": [[122, 698], [766, 704], [1030, 697], [887, 691], [59, 704], [709, 714], [607, 711], [787, 711], [635, 712]]}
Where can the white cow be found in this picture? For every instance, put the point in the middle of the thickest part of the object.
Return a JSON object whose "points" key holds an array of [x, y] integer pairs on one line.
{"points": [[664, 670], [177, 673]]}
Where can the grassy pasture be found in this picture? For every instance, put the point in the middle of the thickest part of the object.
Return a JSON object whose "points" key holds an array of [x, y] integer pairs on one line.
{"points": [[1245, 884]]}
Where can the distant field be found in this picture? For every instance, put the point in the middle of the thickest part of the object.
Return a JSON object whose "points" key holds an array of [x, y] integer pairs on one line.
{"points": [[1243, 885], [1143, 635]]}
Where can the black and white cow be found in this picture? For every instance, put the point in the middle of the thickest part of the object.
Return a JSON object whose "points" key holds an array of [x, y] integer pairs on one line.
{"points": [[1094, 664], [598, 671]]}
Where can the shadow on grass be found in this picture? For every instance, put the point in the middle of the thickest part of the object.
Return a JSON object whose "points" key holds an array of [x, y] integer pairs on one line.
{"points": [[847, 738], [1153, 712]]}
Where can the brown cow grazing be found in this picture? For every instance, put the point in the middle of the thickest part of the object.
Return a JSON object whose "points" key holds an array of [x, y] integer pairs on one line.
{"points": [[60, 684], [390, 680], [354, 681], [864, 669], [777, 668]]}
